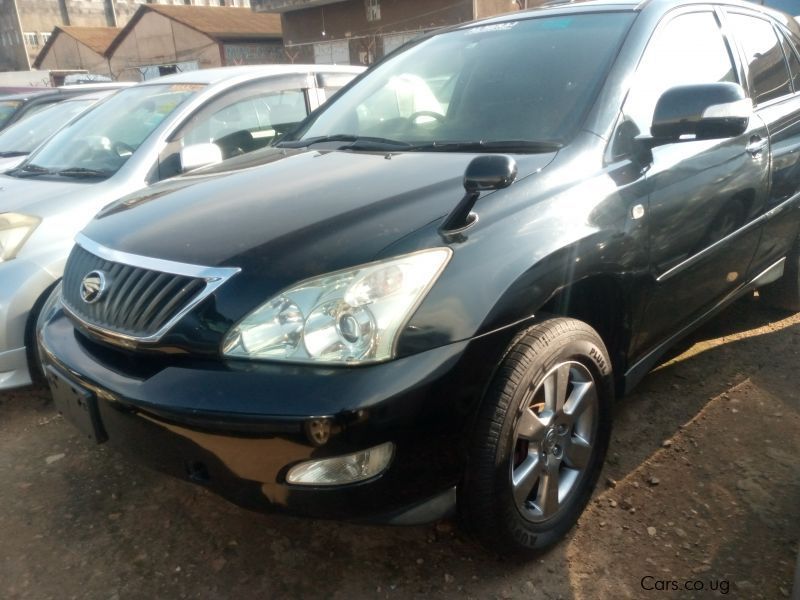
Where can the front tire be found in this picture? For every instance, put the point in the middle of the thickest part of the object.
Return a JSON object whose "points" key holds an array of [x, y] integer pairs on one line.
{"points": [[540, 439]]}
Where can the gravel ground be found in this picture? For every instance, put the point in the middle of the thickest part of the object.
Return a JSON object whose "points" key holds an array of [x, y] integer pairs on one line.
{"points": [[701, 490]]}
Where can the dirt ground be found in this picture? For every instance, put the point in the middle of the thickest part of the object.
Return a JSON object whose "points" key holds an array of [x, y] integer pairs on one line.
{"points": [[700, 498]]}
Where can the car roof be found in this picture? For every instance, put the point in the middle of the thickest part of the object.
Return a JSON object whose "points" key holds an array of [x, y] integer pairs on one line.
{"points": [[91, 95], [67, 91], [216, 75], [96, 86], [34, 93], [558, 7]]}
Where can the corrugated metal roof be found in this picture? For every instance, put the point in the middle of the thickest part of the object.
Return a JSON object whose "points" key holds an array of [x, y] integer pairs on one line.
{"points": [[222, 22], [96, 38]]}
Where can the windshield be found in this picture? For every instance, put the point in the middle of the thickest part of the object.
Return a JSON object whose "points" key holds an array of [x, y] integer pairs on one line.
{"points": [[103, 139], [23, 136], [530, 80], [7, 110]]}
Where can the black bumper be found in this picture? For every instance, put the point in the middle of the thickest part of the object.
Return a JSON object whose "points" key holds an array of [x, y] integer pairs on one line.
{"points": [[238, 427]]}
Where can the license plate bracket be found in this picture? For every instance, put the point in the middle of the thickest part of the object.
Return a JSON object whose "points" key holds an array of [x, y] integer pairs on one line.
{"points": [[77, 404]]}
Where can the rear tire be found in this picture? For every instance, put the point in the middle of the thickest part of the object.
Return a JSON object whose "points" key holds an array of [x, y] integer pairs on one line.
{"points": [[540, 439], [784, 294]]}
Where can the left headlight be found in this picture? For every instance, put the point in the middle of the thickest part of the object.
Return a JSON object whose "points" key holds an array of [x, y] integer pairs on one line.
{"points": [[348, 317], [15, 229]]}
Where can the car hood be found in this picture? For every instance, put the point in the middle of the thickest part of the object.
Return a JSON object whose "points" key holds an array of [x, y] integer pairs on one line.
{"points": [[309, 213], [43, 197]]}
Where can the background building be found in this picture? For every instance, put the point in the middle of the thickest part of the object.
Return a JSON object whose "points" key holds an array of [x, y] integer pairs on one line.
{"points": [[159, 40], [26, 25], [70, 48], [361, 31]]}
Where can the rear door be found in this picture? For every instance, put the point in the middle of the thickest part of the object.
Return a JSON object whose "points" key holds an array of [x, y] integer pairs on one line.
{"points": [[770, 54]]}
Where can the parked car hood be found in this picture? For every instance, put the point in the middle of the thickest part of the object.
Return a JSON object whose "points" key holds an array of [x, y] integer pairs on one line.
{"points": [[40, 197], [312, 212]]}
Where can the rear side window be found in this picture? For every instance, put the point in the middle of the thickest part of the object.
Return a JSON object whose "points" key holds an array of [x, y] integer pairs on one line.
{"points": [[769, 74], [794, 63], [687, 50]]}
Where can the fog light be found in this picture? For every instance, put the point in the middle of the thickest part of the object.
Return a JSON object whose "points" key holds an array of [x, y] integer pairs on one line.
{"points": [[340, 470]]}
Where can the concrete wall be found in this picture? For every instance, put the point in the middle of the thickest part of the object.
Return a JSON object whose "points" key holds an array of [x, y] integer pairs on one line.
{"points": [[41, 16], [253, 53], [67, 53], [157, 40], [12, 49]]}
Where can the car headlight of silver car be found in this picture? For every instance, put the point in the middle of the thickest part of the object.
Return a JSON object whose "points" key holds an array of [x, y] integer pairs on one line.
{"points": [[15, 229], [348, 317]]}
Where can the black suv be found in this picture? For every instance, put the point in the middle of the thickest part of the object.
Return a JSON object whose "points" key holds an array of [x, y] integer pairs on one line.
{"points": [[427, 297]]}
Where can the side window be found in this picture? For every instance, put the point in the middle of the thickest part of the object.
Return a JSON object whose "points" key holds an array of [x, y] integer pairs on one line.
{"points": [[767, 66], [285, 109], [687, 50], [794, 62], [250, 123], [243, 123]]}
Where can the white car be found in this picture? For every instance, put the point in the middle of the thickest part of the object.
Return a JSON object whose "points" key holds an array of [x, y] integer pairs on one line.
{"points": [[140, 135]]}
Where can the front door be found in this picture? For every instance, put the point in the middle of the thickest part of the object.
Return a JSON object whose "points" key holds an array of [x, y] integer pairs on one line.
{"points": [[704, 195]]}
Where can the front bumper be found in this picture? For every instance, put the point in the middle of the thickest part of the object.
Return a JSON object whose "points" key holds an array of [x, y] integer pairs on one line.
{"points": [[238, 427], [22, 284]]}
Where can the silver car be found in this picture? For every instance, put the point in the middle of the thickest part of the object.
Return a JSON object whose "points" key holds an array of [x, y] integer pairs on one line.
{"points": [[138, 136], [20, 139]]}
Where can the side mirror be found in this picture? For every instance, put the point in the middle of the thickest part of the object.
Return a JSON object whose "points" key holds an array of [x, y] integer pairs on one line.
{"points": [[490, 172], [195, 156], [484, 173], [706, 111]]}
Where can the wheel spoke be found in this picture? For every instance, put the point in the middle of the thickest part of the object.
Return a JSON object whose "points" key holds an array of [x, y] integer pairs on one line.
{"points": [[531, 427], [555, 388], [547, 496], [578, 452], [583, 396], [525, 477]]}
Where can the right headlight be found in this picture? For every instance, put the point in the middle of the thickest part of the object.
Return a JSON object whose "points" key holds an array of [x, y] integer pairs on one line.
{"points": [[348, 317], [15, 229]]}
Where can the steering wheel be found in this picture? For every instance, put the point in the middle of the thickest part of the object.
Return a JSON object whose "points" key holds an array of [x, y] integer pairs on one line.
{"points": [[122, 149], [412, 118]]}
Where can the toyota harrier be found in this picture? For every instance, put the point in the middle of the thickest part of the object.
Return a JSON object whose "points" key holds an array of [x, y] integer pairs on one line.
{"points": [[426, 297]]}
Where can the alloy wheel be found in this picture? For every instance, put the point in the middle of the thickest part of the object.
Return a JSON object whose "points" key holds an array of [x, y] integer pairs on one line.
{"points": [[553, 438]]}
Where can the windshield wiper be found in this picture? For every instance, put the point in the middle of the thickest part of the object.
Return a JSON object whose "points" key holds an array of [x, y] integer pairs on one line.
{"points": [[339, 137], [514, 146], [82, 172], [29, 170], [12, 153], [358, 142]]}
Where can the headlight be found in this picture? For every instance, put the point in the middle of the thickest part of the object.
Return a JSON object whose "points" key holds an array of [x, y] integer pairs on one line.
{"points": [[351, 316], [15, 229]]}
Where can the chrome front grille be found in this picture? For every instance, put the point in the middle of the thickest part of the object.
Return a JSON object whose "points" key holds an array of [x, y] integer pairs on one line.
{"points": [[140, 298]]}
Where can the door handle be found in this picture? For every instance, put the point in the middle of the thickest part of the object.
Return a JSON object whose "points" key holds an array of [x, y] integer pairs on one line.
{"points": [[756, 146]]}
